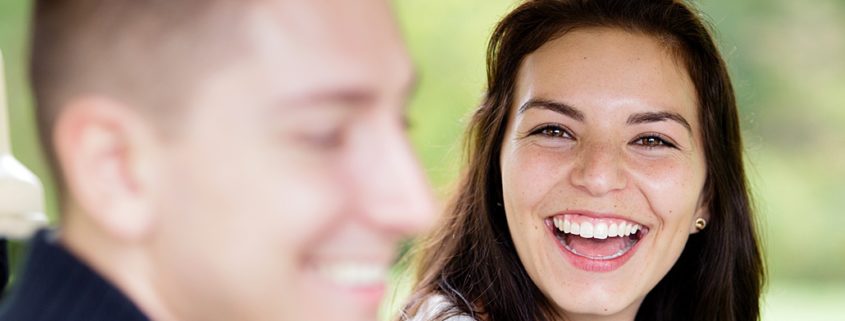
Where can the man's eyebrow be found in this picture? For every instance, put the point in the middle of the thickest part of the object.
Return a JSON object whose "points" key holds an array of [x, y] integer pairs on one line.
{"points": [[345, 96], [555, 106], [652, 117]]}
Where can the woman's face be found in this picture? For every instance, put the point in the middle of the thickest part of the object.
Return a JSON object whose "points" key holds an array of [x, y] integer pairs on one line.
{"points": [[602, 169]]}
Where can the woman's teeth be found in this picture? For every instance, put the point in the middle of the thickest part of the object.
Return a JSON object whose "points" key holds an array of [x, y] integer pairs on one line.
{"points": [[599, 229], [597, 238]]}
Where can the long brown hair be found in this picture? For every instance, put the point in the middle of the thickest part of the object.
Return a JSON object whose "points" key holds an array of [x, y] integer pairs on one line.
{"points": [[470, 258]]}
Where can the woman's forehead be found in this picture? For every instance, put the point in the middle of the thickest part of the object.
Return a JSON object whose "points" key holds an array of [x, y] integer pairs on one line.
{"points": [[600, 66]]}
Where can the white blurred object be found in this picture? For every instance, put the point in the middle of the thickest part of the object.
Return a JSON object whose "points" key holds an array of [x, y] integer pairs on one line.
{"points": [[21, 193]]}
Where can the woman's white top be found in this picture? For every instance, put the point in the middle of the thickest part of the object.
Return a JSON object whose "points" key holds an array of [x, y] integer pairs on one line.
{"points": [[433, 306]]}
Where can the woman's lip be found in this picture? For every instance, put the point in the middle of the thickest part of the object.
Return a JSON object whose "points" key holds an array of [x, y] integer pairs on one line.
{"points": [[597, 215], [592, 265]]}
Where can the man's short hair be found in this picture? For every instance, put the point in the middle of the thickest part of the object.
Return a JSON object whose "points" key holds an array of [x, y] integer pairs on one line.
{"points": [[145, 53]]}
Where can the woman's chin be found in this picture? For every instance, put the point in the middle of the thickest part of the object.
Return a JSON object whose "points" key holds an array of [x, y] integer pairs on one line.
{"points": [[597, 303]]}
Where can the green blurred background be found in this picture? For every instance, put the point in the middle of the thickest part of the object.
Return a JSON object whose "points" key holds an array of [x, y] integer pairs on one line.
{"points": [[787, 60]]}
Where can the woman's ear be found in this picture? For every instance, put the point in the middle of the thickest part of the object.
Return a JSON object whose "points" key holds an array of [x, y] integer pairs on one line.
{"points": [[702, 213], [105, 151]]}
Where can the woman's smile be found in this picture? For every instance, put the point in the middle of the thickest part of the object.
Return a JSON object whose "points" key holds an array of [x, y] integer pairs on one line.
{"points": [[595, 243]]}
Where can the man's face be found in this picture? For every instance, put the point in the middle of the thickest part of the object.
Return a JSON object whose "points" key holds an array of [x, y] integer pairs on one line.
{"points": [[290, 182]]}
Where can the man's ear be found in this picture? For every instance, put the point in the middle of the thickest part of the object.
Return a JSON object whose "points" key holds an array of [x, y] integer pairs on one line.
{"points": [[106, 152]]}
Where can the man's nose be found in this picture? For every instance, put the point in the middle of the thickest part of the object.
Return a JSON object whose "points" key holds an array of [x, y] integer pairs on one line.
{"points": [[392, 190]]}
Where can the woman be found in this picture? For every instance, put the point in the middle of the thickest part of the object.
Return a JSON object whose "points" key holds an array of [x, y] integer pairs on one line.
{"points": [[605, 177]]}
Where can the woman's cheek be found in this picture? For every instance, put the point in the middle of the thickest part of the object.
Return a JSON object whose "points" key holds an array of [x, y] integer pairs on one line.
{"points": [[666, 184], [533, 172]]}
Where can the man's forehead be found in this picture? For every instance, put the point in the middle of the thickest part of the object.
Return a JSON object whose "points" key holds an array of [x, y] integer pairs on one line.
{"points": [[338, 23], [315, 43]]}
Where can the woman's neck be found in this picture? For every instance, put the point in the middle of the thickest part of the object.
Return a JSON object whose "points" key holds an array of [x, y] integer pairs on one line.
{"points": [[627, 314]]}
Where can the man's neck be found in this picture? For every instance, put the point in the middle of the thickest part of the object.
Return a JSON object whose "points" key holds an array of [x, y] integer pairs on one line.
{"points": [[121, 263]]}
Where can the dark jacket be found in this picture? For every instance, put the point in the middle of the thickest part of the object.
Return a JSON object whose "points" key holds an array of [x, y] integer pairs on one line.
{"points": [[56, 286]]}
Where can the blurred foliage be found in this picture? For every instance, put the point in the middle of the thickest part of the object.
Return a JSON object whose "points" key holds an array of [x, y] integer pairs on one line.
{"points": [[787, 59]]}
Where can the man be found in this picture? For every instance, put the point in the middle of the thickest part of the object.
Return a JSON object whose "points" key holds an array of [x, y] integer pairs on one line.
{"points": [[220, 160]]}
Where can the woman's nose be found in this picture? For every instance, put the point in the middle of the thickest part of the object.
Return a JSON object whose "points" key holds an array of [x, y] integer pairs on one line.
{"points": [[599, 169]]}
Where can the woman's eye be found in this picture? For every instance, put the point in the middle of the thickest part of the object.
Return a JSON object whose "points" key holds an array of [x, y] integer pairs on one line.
{"points": [[653, 142], [552, 131]]}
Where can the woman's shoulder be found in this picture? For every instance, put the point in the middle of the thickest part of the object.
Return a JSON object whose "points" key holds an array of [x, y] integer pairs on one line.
{"points": [[435, 305]]}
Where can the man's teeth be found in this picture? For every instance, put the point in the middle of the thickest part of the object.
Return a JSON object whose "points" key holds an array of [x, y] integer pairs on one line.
{"points": [[600, 230], [354, 274]]}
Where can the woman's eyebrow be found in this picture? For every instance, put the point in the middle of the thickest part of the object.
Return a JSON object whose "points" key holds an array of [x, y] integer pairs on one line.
{"points": [[652, 117], [555, 106], [574, 113]]}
